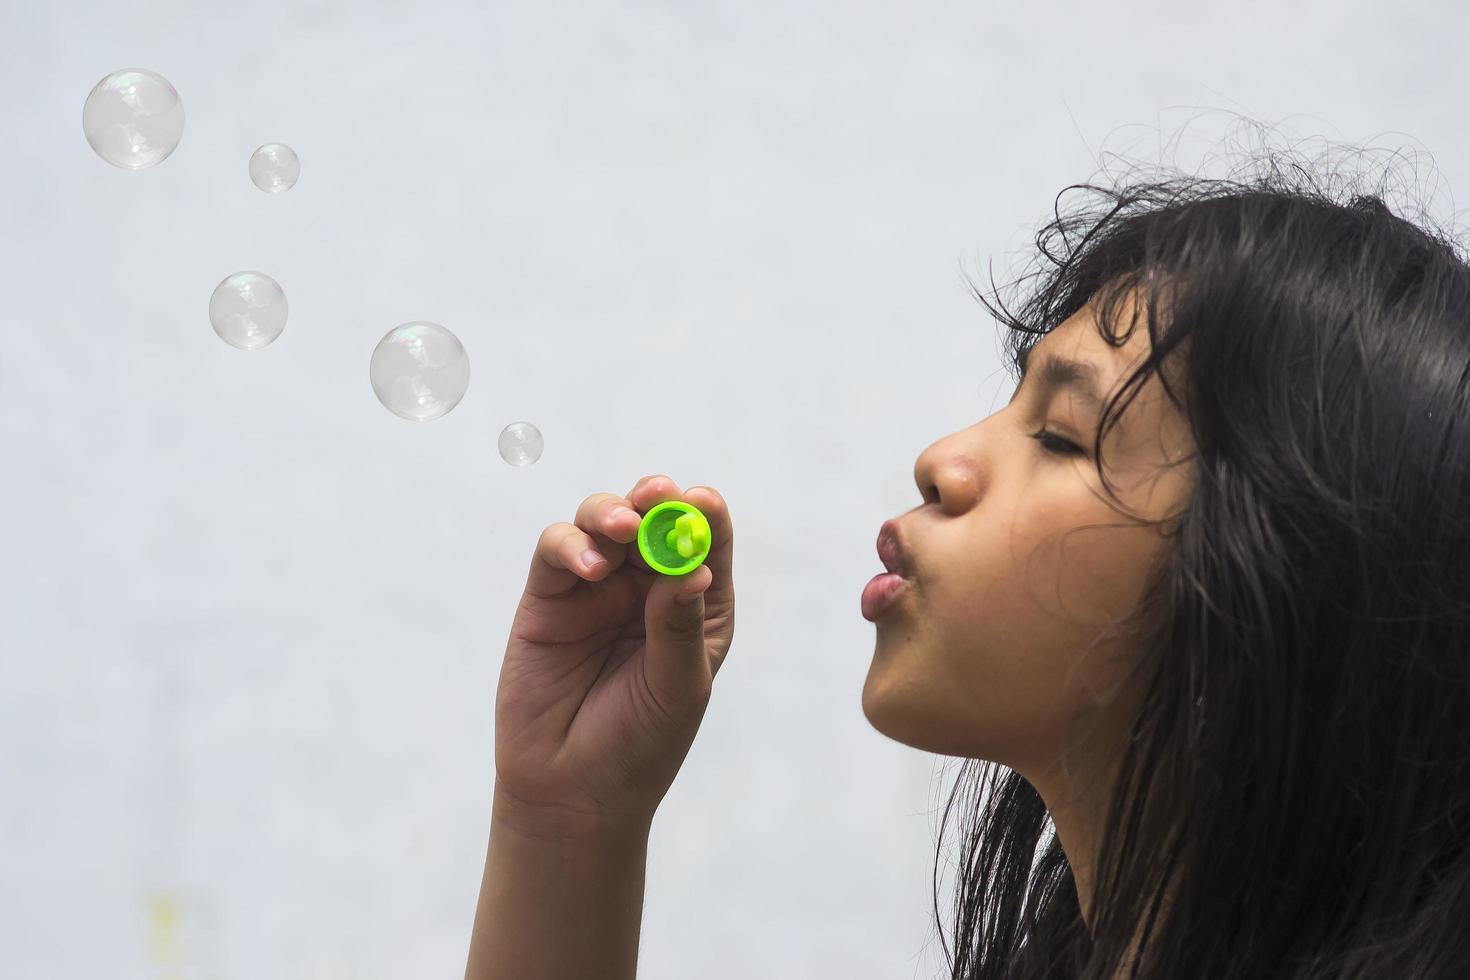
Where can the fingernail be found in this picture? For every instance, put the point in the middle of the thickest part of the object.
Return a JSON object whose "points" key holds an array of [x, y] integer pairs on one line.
{"points": [[620, 511], [592, 559]]}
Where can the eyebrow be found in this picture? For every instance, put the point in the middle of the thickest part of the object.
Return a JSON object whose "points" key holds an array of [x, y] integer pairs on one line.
{"points": [[1061, 372]]}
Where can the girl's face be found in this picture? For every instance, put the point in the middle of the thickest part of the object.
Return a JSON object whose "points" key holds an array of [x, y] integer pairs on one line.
{"points": [[996, 642]]}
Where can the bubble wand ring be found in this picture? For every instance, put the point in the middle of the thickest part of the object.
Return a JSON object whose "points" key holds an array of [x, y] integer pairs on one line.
{"points": [[674, 538]]}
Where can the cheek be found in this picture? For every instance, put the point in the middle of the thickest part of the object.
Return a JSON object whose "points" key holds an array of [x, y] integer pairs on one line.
{"points": [[1100, 573]]}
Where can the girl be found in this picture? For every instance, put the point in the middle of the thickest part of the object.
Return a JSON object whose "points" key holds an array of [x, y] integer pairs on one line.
{"points": [[1197, 600]]}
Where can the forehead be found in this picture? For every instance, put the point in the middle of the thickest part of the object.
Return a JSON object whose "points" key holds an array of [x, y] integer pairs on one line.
{"points": [[1073, 360], [1078, 338], [1148, 410]]}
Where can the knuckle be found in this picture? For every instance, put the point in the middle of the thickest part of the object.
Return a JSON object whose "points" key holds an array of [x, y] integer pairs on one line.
{"points": [[652, 477], [685, 627], [555, 535], [593, 506]]}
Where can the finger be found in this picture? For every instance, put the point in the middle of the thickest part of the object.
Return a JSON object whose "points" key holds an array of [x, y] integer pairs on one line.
{"points": [[613, 523], [603, 530], [721, 593], [676, 663], [561, 558], [632, 494], [651, 491], [647, 494]]}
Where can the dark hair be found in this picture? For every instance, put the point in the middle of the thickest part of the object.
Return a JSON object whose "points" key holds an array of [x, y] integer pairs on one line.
{"points": [[1293, 800]]}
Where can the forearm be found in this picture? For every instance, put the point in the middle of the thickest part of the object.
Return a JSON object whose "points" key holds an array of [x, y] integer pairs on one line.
{"points": [[558, 902]]}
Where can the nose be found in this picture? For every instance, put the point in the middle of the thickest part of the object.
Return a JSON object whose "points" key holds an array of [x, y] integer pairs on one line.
{"points": [[948, 474]]}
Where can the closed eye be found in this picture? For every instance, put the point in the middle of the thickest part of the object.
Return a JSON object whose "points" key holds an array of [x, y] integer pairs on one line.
{"points": [[1055, 445]]}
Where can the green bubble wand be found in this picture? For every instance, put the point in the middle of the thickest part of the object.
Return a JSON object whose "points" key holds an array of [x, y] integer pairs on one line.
{"points": [[674, 538]]}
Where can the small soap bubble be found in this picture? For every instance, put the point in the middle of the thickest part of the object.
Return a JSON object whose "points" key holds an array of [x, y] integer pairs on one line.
{"points": [[274, 168], [419, 371], [133, 118], [520, 444], [248, 310]]}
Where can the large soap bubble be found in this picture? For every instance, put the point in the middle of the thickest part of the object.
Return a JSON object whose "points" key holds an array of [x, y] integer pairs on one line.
{"points": [[248, 310], [419, 371], [133, 118]]}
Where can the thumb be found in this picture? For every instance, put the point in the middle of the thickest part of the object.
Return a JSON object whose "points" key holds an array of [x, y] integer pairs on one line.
{"points": [[677, 666]]}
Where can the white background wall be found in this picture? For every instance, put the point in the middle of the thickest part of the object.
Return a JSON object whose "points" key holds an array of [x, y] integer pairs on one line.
{"points": [[251, 623]]}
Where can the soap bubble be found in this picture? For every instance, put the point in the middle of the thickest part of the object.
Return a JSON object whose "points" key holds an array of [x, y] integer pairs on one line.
{"points": [[520, 444], [419, 371], [274, 168], [133, 118], [248, 310]]}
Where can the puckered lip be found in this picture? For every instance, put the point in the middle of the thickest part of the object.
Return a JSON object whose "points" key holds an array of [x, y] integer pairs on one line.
{"points": [[891, 550]]}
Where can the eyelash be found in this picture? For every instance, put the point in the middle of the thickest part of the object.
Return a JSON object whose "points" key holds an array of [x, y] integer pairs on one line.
{"points": [[1042, 436]]}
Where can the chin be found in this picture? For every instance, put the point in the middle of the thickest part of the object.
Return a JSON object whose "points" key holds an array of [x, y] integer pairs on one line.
{"points": [[896, 707], [902, 709]]}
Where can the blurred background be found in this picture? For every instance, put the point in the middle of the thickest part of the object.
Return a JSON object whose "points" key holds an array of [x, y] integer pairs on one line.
{"points": [[251, 622]]}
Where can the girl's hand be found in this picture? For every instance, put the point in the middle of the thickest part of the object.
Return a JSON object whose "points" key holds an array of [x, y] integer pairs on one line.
{"points": [[606, 677]]}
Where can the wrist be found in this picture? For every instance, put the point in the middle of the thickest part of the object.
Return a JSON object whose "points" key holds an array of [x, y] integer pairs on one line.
{"points": [[563, 825], [561, 897]]}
